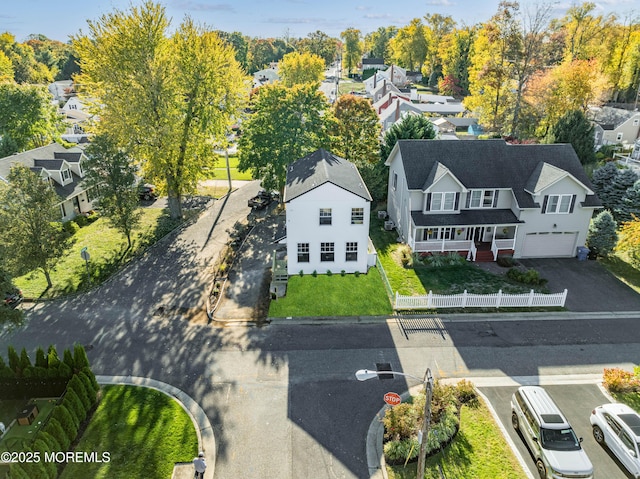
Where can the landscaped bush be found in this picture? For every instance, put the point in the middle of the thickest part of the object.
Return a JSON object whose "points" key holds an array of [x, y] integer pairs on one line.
{"points": [[67, 420], [56, 430], [74, 404], [506, 261], [530, 276], [438, 260], [81, 220], [71, 227], [618, 380], [404, 420], [77, 386]]}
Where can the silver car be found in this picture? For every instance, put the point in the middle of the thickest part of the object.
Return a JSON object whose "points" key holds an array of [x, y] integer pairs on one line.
{"points": [[618, 426]]}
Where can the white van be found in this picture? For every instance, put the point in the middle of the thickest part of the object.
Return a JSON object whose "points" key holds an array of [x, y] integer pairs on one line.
{"points": [[549, 436]]}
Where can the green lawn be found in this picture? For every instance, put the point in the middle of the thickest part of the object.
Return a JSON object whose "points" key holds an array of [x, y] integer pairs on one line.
{"points": [[630, 399], [108, 251], [144, 431], [479, 451], [619, 265], [20, 435], [220, 171], [333, 295]]}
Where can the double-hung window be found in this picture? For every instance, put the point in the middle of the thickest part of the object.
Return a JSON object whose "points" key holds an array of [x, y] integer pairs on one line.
{"points": [[357, 216], [481, 198], [352, 251], [66, 175], [558, 204], [303, 252], [326, 251], [325, 216], [443, 201]]}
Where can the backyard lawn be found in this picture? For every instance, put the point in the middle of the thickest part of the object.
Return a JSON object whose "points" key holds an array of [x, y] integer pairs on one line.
{"points": [[144, 431], [220, 171], [479, 450], [108, 250], [334, 295]]}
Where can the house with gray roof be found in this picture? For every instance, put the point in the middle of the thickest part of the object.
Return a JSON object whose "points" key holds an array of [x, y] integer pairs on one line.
{"points": [[327, 207], [62, 168], [613, 126], [483, 198]]}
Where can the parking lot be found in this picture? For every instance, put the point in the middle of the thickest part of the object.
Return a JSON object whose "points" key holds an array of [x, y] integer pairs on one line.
{"points": [[577, 402]]}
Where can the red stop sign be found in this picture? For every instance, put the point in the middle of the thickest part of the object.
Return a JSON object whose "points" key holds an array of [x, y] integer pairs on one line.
{"points": [[392, 398]]}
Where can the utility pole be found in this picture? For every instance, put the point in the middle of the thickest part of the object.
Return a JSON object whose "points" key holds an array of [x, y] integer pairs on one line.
{"points": [[426, 423]]}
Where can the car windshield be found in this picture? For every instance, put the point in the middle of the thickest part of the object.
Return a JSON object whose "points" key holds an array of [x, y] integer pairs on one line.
{"points": [[559, 439]]}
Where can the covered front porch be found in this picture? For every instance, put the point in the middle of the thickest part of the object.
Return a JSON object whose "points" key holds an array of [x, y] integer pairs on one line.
{"points": [[482, 241]]}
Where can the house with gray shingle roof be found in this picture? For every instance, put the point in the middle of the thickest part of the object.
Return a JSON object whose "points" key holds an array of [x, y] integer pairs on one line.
{"points": [[486, 197], [614, 126], [327, 207], [62, 168]]}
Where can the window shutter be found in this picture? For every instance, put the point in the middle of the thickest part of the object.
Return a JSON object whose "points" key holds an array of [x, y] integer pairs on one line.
{"points": [[544, 204], [428, 208], [457, 202], [468, 200], [573, 203], [495, 198]]}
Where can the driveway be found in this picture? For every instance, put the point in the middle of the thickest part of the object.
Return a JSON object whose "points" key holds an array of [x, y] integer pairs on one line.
{"points": [[590, 286], [576, 401]]}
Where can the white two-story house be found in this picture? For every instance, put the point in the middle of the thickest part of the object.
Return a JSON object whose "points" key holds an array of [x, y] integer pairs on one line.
{"points": [[327, 207], [485, 197], [62, 168]]}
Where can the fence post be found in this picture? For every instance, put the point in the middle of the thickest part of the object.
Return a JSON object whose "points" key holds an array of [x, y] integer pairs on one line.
{"points": [[395, 303], [499, 298], [564, 297], [530, 298], [429, 299], [464, 299]]}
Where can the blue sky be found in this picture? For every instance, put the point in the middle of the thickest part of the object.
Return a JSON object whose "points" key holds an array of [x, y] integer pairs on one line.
{"points": [[263, 18]]}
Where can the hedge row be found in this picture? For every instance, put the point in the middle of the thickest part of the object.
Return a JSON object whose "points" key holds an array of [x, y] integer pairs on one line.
{"points": [[46, 378]]}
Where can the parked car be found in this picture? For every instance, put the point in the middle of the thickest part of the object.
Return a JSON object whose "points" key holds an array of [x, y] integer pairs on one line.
{"points": [[549, 436], [618, 427], [147, 192], [13, 298], [261, 200]]}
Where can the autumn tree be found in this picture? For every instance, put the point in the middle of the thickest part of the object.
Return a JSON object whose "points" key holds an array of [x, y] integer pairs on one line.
{"points": [[286, 124], [240, 45], [491, 80], [377, 42], [27, 118], [629, 242], [300, 68], [455, 57], [409, 46], [29, 223], [352, 48], [163, 99], [6, 68], [112, 174], [436, 29], [574, 127], [320, 44]]}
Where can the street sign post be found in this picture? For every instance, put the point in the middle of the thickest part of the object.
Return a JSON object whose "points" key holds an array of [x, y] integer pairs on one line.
{"points": [[84, 254], [392, 399]]}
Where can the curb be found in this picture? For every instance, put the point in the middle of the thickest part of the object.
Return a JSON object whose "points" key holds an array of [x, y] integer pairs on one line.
{"points": [[204, 430]]}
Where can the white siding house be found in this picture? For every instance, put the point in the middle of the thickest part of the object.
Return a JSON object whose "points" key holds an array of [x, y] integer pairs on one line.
{"points": [[485, 197], [327, 208]]}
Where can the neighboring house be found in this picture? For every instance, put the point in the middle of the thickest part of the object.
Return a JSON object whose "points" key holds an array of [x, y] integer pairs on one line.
{"points": [[75, 110], [397, 110], [327, 207], [373, 64], [265, 77], [454, 124], [386, 100], [394, 74], [61, 90], [485, 197], [615, 126], [384, 88], [451, 108], [62, 168], [429, 98]]}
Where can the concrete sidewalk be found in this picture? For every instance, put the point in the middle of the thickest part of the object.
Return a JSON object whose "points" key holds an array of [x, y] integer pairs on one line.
{"points": [[206, 439]]}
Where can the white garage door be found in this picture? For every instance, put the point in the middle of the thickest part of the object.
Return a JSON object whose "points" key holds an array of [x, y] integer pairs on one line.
{"points": [[549, 245]]}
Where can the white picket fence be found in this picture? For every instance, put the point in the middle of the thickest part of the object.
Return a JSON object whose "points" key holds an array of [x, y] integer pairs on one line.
{"points": [[470, 300]]}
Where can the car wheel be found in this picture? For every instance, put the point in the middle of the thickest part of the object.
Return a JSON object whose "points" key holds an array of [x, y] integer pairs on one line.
{"points": [[542, 471], [514, 421], [598, 435], [147, 197]]}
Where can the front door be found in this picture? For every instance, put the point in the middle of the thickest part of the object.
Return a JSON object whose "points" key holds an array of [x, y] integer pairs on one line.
{"points": [[478, 234]]}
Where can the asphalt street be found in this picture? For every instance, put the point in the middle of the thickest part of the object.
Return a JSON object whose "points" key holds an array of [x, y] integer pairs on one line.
{"points": [[283, 398]]}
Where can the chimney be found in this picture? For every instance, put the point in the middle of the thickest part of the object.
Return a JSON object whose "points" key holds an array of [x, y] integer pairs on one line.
{"points": [[375, 80], [397, 108], [392, 74]]}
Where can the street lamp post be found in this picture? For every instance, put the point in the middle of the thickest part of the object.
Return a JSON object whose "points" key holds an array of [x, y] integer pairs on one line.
{"points": [[427, 381]]}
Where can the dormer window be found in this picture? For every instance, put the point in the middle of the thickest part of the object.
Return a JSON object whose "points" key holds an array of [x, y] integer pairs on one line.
{"points": [[66, 175], [559, 204], [482, 198], [443, 201]]}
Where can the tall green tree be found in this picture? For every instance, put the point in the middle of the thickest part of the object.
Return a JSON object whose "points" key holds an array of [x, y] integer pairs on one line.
{"points": [[300, 68], [377, 42], [602, 235], [286, 124], [352, 48], [454, 53], [574, 128], [28, 222], [6, 68], [409, 46], [320, 44], [164, 99], [411, 127], [112, 174], [27, 117], [240, 45], [436, 29]]}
